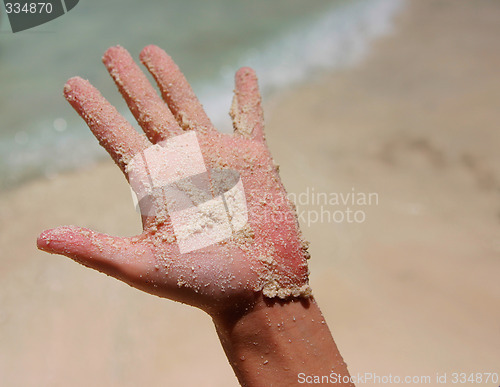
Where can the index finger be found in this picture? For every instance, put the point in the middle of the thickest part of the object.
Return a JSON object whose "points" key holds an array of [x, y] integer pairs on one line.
{"points": [[112, 130]]}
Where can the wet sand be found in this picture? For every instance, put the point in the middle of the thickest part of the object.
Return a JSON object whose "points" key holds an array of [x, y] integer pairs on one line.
{"points": [[411, 290]]}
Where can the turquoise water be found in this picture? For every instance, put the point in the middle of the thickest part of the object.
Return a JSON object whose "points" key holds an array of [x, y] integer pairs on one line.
{"points": [[286, 41]]}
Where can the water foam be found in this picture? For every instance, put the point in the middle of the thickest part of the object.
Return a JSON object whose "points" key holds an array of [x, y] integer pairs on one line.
{"points": [[339, 37]]}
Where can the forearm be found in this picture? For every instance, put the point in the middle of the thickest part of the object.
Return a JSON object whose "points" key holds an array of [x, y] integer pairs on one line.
{"points": [[275, 341]]}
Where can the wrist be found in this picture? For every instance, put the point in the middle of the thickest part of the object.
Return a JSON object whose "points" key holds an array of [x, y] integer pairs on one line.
{"points": [[275, 340]]}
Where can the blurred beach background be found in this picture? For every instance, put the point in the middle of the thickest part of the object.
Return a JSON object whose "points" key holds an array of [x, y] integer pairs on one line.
{"points": [[394, 97]]}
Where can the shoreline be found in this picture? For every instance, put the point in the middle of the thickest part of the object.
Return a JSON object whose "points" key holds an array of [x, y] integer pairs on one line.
{"points": [[285, 56], [415, 283]]}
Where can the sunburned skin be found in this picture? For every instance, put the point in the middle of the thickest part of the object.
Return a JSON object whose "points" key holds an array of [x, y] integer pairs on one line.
{"points": [[250, 277], [265, 255]]}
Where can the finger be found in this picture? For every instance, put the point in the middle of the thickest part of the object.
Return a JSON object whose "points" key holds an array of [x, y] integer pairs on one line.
{"points": [[175, 89], [123, 258], [115, 134], [148, 108], [246, 110]]}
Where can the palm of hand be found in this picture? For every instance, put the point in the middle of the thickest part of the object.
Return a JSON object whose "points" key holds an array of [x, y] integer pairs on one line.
{"points": [[266, 255]]}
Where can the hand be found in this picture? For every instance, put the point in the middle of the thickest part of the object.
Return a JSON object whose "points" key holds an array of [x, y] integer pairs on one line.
{"points": [[266, 256], [241, 280]]}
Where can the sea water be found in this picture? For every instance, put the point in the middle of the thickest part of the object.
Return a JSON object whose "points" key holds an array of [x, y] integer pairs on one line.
{"points": [[285, 41]]}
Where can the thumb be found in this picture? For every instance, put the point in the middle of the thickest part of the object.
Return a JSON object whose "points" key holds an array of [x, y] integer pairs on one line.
{"points": [[123, 258]]}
